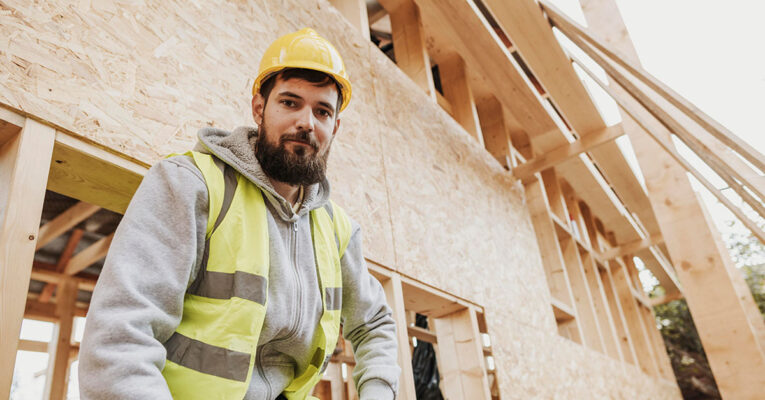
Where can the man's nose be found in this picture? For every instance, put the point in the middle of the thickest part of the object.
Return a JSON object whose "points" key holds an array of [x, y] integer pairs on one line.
{"points": [[305, 120]]}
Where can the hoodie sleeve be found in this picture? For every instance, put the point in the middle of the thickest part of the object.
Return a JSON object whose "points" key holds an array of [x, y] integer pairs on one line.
{"points": [[369, 326], [138, 300]]}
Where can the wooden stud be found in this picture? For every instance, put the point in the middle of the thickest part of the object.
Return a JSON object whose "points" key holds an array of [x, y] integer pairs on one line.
{"points": [[587, 142], [50, 275], [395, 295], [496, 137], [409, 43], [654, 336], [583, 301], [60, 348], [602, 310], [24, 164], [644, 351], [620, 321], [355, 11], [422, 334], [63, 260], [460, 356], [87, 257], [65, 221], [454, 81]]}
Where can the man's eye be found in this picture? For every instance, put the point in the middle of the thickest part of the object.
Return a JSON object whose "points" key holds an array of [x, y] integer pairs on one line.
{"points": [[288, 103], [325, 113]]}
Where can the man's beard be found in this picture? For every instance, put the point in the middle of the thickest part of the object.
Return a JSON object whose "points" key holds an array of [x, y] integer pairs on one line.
{"points": [[301, 167]]}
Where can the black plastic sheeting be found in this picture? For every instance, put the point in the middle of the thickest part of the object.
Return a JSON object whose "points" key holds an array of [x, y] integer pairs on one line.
{"points": [[424, 367]]}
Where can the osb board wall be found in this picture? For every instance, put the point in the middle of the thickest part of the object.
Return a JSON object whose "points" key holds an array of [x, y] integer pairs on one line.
{"points": [[142, 77]]}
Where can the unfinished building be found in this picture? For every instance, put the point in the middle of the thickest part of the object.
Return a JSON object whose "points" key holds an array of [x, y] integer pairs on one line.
{"points": [[493, 197]]}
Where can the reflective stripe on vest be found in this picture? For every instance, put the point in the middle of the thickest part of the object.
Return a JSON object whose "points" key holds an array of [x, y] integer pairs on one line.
{"points": [[211, 355]]}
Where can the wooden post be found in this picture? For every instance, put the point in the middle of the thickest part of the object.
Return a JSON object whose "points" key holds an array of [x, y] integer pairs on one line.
{"points": [[61, 345], [409, 43], [24, 163], [457, 92], [625, 339], [730, 339], [395, 295], [460, 356], [496, 137], [355, 11]]}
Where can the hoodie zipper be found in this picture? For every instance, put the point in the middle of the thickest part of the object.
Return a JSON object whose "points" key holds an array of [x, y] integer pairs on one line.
{"points": [[296, 309]]}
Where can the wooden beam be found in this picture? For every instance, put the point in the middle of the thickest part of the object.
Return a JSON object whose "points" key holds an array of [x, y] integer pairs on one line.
{"points": [[90, 173], [409, 43], [602, 309], [37, 310], [355, 11], [632, 247], [33, 345], [8, 131], [625, 53], [24, 164], [661, 137], [63, 260], [496, 137], [87, 257], [422, 334], [395, 296], [454, 81], [61, 346], [85, 282], [587, 142], [620, 322], [65, 221], [460, 356]]}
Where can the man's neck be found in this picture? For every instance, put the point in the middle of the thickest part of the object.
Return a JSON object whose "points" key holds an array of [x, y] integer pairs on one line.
{"points": [[289, 192]]}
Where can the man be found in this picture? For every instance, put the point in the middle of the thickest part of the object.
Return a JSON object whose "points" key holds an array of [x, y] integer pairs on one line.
{"points": [[231, 270]]}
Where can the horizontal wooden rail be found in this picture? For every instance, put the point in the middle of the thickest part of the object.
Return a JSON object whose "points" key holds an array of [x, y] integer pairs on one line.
{"points": [[525, 172]]}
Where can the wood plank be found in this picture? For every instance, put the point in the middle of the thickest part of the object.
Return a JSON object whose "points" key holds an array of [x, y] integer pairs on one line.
{"points": [[583, 302], [661, 137], [60, 348], [24, 161], [460, 356], [87, 283], [496, 137], [620, 321], [90, 255], [552, 258], [395, 296], [602, 310], [457, 91], [589, 141], [355, 11], [422, 334], [37, 310], [409, 43], [87, 172], [625, 55], [33, 345], [643, 349], [8, 131], [660, 351], [65, 221], [632, 247], [63, 260]]}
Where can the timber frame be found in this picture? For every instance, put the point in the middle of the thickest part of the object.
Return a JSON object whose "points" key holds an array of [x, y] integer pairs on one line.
{"points": [[497, 69]]}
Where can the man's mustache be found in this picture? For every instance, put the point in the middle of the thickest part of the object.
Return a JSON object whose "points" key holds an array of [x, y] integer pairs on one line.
{"points": [[302, 137]]}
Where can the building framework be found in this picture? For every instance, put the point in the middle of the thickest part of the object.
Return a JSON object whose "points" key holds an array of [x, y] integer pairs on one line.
{"points": [[494, 198]]}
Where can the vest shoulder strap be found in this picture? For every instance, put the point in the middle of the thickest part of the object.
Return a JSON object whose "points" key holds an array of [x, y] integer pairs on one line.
{"points": [[221, 183]]}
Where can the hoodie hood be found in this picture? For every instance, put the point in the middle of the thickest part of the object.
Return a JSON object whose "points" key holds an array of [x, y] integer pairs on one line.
{"points": [[237, 150]]}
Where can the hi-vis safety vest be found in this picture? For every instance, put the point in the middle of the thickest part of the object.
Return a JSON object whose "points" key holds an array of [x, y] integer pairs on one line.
{"points": [[211, 355]]}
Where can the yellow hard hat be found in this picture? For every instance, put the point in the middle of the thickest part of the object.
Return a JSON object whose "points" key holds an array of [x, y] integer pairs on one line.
{"points": [[304, 49]]}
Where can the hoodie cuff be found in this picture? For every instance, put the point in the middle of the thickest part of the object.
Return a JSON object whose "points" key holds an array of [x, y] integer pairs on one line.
{"points": [[376, 389]]}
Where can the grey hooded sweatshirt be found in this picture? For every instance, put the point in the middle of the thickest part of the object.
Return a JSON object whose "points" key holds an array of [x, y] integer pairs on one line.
{"points": [[156, 254]]}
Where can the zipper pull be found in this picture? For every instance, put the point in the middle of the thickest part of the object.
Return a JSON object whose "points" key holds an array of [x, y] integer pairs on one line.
{"points": [[294, 226]]}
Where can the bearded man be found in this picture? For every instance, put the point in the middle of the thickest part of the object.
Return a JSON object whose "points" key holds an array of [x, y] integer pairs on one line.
{"points": [[232, 271]]}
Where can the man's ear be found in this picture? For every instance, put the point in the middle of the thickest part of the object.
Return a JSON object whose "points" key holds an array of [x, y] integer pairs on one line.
{"points": [[258, 105], [337, 126]]}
